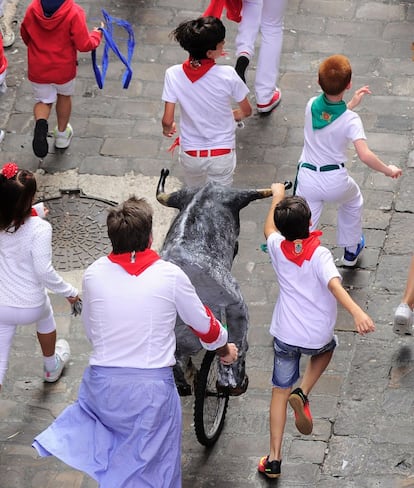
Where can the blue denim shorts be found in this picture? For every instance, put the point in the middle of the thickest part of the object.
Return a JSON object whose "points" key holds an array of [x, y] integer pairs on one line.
{"points": [[287, 359]]}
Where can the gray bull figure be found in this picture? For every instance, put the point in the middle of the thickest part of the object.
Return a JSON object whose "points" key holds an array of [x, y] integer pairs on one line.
{"points": [[202, 240]]}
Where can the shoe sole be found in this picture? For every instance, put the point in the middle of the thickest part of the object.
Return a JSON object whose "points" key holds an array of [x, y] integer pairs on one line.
{"points": [[39, 144], [303, 424], [63, 145], [350, 264], [268, 109]]}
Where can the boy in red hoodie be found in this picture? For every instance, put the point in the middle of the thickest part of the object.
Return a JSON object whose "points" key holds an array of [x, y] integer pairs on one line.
{"points": [[53, 31], [3, 71]]}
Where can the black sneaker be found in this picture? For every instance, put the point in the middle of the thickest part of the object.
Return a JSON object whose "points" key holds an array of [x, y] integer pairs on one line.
{"points": [[40, 144], [241, 66], [269, 468]]}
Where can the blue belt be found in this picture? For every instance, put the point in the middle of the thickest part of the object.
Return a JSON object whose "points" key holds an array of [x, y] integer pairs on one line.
{"points": [[327, 167]]}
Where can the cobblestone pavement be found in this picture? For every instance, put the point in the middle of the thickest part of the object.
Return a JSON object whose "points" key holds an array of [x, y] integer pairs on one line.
{"points": [[364, 404]]}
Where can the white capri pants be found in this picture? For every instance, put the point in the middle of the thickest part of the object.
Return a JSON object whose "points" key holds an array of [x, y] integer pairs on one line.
{"points": [[334, 187], [266, 16], [11, 317]]}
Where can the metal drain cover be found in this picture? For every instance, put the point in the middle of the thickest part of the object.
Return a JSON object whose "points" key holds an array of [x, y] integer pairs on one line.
{"points": [[79, 229]]}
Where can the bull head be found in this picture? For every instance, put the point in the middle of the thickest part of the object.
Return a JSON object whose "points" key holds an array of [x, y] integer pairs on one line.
{"points": [[239, 198]]}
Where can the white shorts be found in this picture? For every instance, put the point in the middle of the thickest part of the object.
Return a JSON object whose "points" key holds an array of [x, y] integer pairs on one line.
{"points": [[48, 92]]}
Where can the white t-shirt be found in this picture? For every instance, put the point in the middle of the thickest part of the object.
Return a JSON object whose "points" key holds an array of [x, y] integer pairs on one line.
{"points": [[206, 120], [305, 312], [329, 145], [26, 266], [130, 320]]}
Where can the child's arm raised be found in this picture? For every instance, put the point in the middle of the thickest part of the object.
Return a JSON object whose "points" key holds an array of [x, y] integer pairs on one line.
{"points": [[358, 95], [362, 321], [373, 161], [278, 191]]}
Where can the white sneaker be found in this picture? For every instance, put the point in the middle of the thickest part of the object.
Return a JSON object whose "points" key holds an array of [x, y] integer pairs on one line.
{"points": [[62, 141], [8, 34], [403, 320], [62, 352], [2, 134]]}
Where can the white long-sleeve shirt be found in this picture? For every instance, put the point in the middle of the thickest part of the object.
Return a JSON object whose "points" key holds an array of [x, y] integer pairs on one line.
{"points": [[26, 268], [130, 319]]}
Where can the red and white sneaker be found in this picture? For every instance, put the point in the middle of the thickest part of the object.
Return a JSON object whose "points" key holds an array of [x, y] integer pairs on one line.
{"points": [[303, 417], [274, 102]]}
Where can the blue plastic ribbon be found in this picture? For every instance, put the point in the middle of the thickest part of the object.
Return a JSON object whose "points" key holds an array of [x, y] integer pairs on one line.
{"points": [[110, 43]]}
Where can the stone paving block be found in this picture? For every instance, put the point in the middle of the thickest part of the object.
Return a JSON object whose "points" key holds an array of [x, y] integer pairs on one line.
{"points": [[387, 280], [330, 9], [342, 459], [372, 11], [405, 201], [304, 451], [367, 28]]}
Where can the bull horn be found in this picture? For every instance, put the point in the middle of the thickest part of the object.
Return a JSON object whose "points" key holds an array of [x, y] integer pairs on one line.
{"points": [[162, 197], [267, 192]]}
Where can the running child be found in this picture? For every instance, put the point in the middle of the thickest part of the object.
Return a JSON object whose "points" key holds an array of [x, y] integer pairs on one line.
{"points": [[330, 125], [304, 317], [205, 92], [53, 31]]}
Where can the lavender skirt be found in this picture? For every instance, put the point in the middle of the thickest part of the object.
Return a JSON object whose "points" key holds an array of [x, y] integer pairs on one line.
{"points": [[124, 430]]}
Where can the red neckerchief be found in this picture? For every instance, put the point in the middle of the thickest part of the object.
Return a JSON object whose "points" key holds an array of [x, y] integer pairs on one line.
{"points": [[300, 249], [33, 213], [194, 73], [135, 263]]}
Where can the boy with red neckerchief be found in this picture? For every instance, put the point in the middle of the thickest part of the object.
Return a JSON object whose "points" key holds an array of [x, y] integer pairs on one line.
{"points": [[205, 91], [304, 317]]}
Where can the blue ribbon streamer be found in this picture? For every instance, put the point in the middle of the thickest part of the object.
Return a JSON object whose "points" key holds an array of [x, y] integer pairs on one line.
{"points": [[111, 44]]}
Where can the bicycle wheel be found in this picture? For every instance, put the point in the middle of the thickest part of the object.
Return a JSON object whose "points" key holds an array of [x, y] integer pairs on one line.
{"points": [[210, 405]]}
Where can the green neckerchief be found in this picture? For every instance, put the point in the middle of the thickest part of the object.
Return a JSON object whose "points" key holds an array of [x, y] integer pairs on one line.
{"points": [[325, 112]]}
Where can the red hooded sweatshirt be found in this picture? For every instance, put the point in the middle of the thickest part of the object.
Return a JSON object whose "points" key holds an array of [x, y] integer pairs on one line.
{"points": [[3, 59], [52, 42]]}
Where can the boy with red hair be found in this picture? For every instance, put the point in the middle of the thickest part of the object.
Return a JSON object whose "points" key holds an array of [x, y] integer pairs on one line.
{"points": [[330, 125]]}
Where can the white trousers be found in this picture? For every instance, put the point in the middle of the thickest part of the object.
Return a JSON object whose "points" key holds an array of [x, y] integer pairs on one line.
{"points": [[334, 187], [199, 171], [266, 16]]}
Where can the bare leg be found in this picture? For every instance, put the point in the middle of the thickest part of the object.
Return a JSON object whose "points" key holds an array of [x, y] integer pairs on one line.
{"points": [[314, 369], [63, 111], [47, 343], [278, 406], [42, 110]]}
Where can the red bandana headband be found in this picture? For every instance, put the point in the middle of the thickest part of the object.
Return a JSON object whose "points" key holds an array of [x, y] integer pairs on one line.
{"points": [[10, 170]]}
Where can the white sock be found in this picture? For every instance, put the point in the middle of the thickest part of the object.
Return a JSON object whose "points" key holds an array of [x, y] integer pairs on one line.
{"points": [[50, 363]]}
